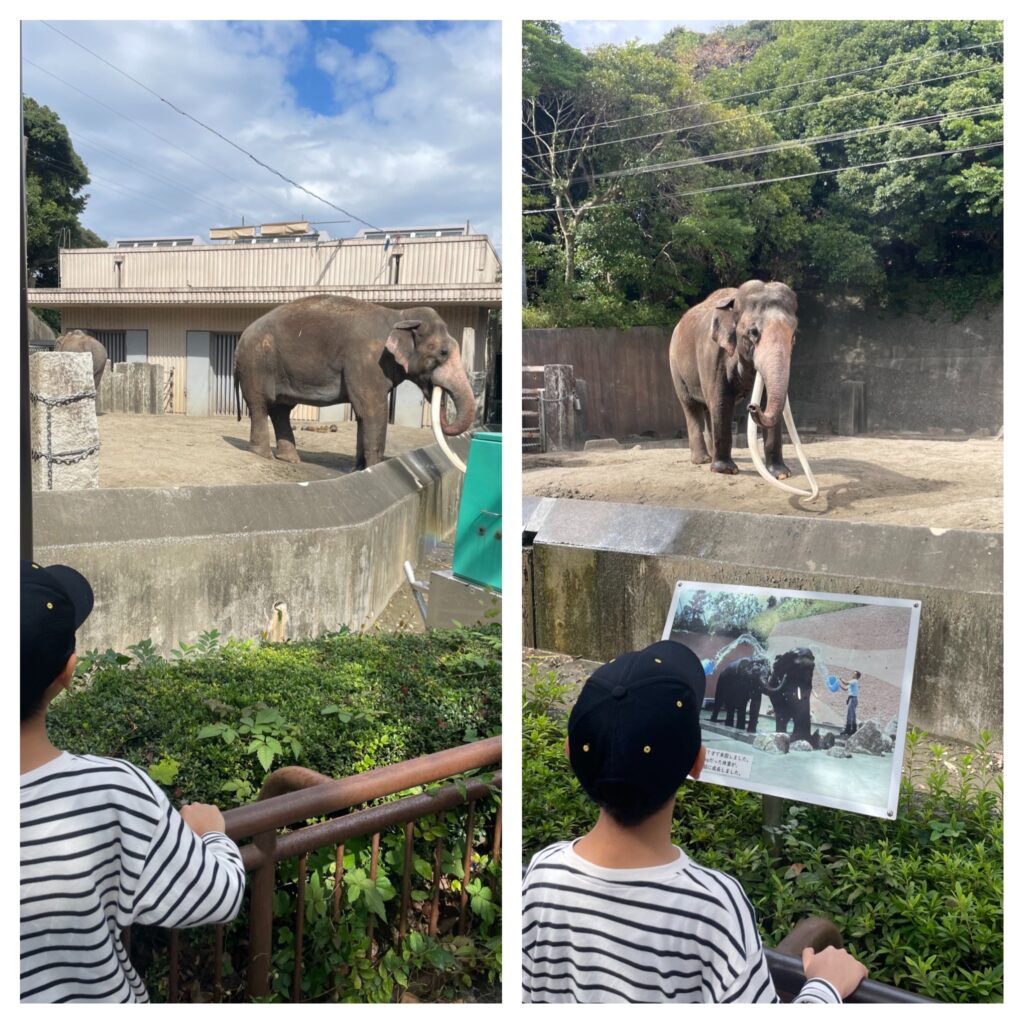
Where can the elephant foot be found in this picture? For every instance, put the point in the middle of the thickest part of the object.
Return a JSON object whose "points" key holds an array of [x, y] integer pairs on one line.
{"points": [[700, 458], [724, 466], [780, 471], [262, 450], [286, 452]]}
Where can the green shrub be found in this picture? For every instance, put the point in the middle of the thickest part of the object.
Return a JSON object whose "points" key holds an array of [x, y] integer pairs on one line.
{"points": [[210, 723], [919, 900]]}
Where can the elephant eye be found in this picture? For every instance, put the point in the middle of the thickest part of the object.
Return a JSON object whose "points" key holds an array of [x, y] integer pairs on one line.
{"points": [[755, 333], [444, 353]]}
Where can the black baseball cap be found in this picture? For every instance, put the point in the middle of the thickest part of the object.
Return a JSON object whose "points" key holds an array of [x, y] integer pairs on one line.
{"points": [[634, 732], [55, 601]]}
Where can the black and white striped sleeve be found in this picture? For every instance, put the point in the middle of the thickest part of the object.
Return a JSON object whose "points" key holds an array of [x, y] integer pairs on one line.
{"points": [[187, 879]]}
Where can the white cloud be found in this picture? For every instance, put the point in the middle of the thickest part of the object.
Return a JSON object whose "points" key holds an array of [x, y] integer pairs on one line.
{"points": [[585, 35], [417, 139]]}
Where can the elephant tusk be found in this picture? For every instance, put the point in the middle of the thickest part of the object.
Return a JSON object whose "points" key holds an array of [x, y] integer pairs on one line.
{"points": [[435, 423], [755, 400]]}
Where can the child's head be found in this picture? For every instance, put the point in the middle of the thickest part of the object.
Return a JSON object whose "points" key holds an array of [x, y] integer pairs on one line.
{"points": [[634, 732], [55, 601]]}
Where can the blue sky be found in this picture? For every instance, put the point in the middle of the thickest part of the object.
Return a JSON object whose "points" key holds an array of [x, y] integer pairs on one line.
{"points": [[397, 122]]}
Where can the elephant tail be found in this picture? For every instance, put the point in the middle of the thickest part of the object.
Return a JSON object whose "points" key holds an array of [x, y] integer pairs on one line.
{"points": [[238, 399]]}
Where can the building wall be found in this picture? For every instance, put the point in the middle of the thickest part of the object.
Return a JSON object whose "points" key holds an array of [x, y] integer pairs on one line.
{"points": [[167, 327], [435, 261]]}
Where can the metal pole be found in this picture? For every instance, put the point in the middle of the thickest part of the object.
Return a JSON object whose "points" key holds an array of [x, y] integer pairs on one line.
{"points": [[25, 446]]}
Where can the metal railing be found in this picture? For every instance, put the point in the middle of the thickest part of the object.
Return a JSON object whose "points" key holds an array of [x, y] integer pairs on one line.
{"points": [[294, 794]]}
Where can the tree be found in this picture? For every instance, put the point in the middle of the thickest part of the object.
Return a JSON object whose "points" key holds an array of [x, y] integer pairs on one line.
{"points": [[54, 179]]}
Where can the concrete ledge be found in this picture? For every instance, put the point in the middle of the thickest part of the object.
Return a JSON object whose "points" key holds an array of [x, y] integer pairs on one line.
{"points": [[601, 578], [169, 563]]}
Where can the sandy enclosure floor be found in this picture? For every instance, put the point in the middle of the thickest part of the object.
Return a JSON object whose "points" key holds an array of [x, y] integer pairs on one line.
{"points": [[944, 484], [184, 451]]}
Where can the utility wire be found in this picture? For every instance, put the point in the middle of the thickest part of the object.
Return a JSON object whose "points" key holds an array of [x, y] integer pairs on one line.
{"points": [[789, 177], [85, 140], [273, 202], [793, 85], [766, 113], [213, 131], [816, 140]]}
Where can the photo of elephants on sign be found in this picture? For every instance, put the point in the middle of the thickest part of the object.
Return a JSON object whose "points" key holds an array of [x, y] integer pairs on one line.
{"points": [[807, 693]]}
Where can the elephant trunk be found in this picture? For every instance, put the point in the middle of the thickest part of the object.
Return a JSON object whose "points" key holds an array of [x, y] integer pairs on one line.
{"points": [[453, 379], [772, 360], [769, 689]]}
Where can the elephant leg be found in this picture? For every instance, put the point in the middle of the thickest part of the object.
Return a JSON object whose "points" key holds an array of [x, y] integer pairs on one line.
{"points": [[730, 716], [280, 416], [721, 410], [755, 711], [773, 452], [694, 413], [259, 429], [741, 715], [714, 712], [371, 434]]}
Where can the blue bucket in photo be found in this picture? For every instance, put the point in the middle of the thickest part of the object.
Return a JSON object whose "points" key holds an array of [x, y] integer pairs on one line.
{"points": [[833, 683], [709, 666]]}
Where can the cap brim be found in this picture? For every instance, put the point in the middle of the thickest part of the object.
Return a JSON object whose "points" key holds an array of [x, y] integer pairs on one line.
{"points": [[77, 588]]}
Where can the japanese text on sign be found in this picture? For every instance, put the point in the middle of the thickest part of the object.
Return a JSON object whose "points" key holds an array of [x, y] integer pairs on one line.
{"points": [[725, 762]]}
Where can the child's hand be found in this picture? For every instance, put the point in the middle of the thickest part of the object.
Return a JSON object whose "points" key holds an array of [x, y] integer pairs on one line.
{"points": [[202, 818], [835, 966]]}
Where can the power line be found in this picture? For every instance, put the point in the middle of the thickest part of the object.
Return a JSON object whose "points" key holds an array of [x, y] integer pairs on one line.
{"points": [[767, 113], [213, 131], [173, 145], [816, 140], [793, 85], [152, 174], [790, 177]]}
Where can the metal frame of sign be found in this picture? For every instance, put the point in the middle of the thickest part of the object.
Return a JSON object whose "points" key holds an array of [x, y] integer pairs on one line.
{"points": [[887, 810]]}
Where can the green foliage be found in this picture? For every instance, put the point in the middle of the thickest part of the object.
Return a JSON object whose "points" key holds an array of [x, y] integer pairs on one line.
{"points": [[54, 178], [919, 899], [914, 234], [215, 718]]}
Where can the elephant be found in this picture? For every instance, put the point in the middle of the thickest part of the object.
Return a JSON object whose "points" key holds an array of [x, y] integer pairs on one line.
{"points": [[79, 341], [327, 349], [789, 690], [740, 685], [717, 348]]}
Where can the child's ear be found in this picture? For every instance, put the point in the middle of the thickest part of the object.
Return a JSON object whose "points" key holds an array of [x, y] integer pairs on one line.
{"points": [[698, 762]]}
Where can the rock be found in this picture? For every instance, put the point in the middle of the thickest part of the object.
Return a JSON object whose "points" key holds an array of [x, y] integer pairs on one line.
{"points": [[801, 745], [868, 739], [600, 444], [892, 727], [772, 742], [838, 751]]}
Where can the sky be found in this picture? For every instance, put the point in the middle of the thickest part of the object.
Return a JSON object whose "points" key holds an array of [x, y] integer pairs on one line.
{"points": [[586, 34], [397, 123]]}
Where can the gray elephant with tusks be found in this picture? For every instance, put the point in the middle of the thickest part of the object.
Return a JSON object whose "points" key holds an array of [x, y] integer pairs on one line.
{"points": [[717, 349], [329, 349]]}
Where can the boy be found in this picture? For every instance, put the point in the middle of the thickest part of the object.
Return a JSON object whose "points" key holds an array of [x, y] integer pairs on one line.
{"points": [[852, 689], [101, 846], [622, 914]]}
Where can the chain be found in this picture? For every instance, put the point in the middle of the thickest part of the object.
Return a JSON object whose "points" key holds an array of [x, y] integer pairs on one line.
{"points": [[61, 458]]}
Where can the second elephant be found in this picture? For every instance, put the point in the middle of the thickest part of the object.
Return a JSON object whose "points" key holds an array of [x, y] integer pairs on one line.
{"points": [[79, 341]]}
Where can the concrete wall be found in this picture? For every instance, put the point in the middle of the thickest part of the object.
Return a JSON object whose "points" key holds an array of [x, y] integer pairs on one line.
{"points": [[133, 387], [170, 563], [919, 375], [601, 577]]}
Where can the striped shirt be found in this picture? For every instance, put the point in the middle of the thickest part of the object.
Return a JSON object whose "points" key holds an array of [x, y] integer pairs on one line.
{"points": [[102, 848], [676, 932]]}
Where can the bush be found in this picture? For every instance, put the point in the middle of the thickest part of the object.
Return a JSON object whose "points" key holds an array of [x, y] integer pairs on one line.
{"points": [[210, 723], [919, 900]]}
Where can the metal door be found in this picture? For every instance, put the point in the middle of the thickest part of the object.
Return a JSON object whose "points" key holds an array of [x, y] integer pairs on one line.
{"points": [[197, 373]]}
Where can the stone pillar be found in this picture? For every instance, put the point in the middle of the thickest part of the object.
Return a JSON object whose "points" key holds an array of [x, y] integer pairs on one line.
{"points": [[852, 407], [559, 408], [65, 435]]}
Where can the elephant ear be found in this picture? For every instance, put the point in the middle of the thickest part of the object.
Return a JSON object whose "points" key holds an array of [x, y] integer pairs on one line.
{"points": [[402, 341], [723, 325]]}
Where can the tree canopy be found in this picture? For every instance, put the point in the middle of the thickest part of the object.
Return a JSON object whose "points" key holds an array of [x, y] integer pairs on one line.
{"points": [[54, 179], [639, 162]]}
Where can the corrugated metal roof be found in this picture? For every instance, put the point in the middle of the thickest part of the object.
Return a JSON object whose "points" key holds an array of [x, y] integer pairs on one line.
{"points": [[407, 295]]}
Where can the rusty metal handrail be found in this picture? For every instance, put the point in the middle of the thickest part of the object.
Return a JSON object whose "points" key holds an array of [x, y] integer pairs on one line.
{"points": [[294, 794]]}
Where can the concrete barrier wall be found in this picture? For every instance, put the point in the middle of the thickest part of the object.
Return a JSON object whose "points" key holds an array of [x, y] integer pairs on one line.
{"points": [[600, 579], [931, 376], [133, 387], [170, 563]]}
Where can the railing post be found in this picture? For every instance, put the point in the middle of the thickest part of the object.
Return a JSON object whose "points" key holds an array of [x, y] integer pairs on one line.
{"points": [[261, 918]]}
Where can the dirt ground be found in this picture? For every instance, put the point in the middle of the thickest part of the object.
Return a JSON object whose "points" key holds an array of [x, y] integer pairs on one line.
{"points": [[943, 484], [183, 451]]}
